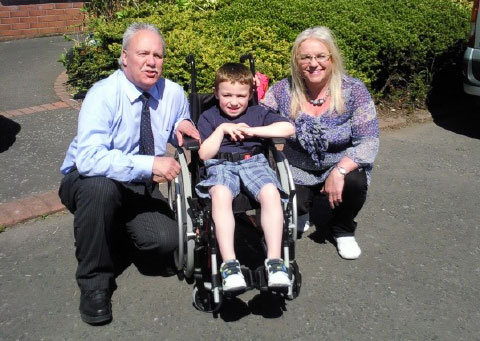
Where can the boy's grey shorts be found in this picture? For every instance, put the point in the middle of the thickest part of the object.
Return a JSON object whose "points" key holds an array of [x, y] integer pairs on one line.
{"points": [[250, 175]]}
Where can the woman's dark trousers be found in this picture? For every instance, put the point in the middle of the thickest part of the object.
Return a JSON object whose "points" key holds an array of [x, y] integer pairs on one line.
{"points": [[104, 210], [339, 221]]}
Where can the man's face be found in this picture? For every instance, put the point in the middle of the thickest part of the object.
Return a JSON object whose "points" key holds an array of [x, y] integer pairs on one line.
{"points": [[233, 97], [143, 59]]}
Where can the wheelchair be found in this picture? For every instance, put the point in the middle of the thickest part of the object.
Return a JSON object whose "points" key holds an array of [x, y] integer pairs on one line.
{"points": [[197, 258]]}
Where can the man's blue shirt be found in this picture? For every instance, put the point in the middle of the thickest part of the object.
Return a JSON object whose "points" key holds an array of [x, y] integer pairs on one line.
{"points": [[108, 133]]}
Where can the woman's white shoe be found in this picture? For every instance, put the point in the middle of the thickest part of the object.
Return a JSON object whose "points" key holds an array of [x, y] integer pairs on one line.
{"points": [[348, 248]]}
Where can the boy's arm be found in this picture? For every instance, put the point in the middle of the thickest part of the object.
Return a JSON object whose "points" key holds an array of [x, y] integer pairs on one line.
{"points": [[277, 129], [209, 148]]}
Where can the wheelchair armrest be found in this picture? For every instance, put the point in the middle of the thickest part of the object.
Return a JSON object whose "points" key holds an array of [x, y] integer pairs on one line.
{"points": [[278, 140], [190, 143]]}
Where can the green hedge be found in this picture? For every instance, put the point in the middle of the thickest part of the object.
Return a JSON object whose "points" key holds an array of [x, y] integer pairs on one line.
{"points": [[398, 48]]}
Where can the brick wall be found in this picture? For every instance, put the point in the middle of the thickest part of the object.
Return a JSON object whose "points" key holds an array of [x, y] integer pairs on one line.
{"points": [[25, 19]]}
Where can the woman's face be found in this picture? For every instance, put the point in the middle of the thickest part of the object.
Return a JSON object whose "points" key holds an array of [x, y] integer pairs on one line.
{"points": [[314, 62]]}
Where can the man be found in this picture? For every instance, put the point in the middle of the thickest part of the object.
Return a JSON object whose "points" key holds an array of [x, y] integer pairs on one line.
{"points": [[115, 161]]}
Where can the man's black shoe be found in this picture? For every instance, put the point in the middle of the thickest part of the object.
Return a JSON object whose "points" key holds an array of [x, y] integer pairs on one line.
{"points": [[96, 306]]}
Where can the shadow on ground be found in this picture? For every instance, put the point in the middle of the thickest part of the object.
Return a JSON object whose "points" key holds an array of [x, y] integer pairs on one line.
{"points": [[8, 132], [456, 112]]}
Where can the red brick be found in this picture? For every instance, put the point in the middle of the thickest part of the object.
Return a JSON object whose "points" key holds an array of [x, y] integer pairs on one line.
{"points": [[28, 19], [77, 4], [56, 24], [10, 20], [19, 14], [39, 24], [20, 26], [4, 14], [8, 8], [29, 7], [37, 12], [26, 110], [5, 217], [48, 18], [60, 105], [48, 106], [31, 32], [62, 17], [74, 23], [13, 113], [5, 28], [19, 211], [46, 6], [64, 5], [37, 108], [73, 11], [73, 17], [55, 12]]}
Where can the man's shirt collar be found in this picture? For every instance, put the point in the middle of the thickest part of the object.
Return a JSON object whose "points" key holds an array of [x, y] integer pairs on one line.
{"points": [[133, 92]]}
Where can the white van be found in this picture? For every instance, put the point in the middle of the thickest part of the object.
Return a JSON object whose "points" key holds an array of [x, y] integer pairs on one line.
{"points": [[471, 58]]}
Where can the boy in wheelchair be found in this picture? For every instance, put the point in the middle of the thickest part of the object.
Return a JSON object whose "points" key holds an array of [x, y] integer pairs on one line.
{"points": [[232, 150]]}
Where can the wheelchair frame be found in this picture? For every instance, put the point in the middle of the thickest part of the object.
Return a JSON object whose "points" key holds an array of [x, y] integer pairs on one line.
{"points": [[196, 256]]}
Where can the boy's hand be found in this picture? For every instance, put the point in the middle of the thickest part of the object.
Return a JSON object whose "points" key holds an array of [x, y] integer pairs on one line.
{"points": [[247, 131], [234, 130]]}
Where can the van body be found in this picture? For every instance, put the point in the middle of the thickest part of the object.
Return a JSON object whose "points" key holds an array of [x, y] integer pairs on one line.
{"points": [[471, 57]]}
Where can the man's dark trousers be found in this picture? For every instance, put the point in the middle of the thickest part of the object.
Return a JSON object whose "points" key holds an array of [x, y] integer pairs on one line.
{"points": [[104, 208]]}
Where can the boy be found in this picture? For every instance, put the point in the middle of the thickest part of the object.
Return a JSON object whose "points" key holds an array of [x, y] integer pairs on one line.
{"points": [[231, 147]]}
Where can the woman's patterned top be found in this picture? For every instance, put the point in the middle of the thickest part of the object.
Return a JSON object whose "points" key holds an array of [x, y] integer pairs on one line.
{"points": [[321, 142]]}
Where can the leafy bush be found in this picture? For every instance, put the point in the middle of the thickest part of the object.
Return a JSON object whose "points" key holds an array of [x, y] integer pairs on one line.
{"points": [[398, 48]]}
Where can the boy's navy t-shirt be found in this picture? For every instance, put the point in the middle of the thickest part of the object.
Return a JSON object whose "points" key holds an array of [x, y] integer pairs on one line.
{"points": [[254, 116]]}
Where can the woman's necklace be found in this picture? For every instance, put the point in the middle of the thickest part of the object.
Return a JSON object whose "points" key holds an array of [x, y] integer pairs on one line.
{"points": [[320, 101]]}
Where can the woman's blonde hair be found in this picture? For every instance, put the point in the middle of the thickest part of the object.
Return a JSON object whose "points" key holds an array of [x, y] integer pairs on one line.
{"points": [[298, 88]]}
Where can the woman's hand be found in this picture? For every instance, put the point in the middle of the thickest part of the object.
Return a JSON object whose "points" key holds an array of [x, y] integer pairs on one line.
{"points": [[333, 187]]}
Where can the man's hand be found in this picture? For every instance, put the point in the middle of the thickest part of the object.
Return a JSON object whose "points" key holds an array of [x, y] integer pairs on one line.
{"points": [[165, 169], [159, 179], [186, 128]]}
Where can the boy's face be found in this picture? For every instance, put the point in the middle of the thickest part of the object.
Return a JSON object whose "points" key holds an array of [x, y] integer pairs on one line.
{"points": [[233, 97]]}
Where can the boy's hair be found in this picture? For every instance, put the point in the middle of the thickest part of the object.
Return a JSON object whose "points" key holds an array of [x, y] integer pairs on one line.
{"points": [[233, 72]]}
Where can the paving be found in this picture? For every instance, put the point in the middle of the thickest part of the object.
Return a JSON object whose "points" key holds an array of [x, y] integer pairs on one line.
{"points": [[417, 278], [37, 122]]}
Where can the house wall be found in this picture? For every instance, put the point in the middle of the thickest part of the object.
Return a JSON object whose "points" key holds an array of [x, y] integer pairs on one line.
{"points": [[30, 18]]}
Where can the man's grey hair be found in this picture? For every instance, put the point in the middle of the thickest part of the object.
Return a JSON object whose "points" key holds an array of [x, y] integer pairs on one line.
{"points": [[130, 32]]}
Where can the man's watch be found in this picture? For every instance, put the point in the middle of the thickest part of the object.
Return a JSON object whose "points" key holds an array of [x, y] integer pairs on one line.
{"points": [[342, 170]]}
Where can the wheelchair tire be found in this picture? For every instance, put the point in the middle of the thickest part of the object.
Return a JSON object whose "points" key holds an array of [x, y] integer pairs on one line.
{"points": [[178, 193], [205, 304], [297, 281]]}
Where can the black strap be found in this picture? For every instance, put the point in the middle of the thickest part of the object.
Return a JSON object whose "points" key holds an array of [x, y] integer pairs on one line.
{"points": [[233, 157]]}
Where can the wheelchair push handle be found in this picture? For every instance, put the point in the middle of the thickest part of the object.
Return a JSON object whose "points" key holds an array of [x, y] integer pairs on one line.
{"points": [[251, 61], [193, 72]]}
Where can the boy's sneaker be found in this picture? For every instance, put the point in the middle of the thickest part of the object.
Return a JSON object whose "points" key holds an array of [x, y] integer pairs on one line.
{"points": [[277, 273], [232, 277]]}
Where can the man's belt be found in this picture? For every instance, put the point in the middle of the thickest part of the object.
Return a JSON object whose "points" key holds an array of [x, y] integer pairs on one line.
{"points": [[233, 157]]}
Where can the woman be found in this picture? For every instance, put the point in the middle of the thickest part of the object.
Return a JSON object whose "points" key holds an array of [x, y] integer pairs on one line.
{"points": [[336, 136]]}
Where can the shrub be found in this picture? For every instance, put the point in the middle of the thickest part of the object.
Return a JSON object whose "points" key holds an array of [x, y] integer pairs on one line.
{"points": [[398, 48]]}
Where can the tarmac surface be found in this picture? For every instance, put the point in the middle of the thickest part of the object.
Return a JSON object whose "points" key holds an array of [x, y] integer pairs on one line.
{"points": [[417, 279]]}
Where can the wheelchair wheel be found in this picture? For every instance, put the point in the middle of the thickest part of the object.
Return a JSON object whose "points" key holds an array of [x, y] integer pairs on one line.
{"points": [[206, 303], [296, 281], [179, 191]]}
